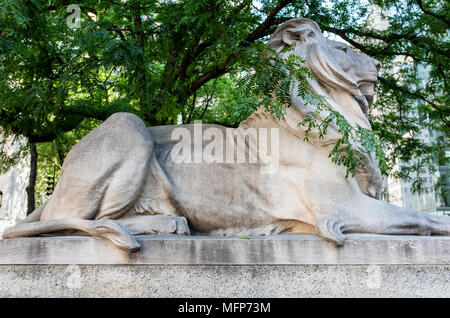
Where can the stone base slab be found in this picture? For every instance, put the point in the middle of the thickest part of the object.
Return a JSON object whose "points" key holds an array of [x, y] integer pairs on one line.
{"points": [[202, 266], [207, 250]]}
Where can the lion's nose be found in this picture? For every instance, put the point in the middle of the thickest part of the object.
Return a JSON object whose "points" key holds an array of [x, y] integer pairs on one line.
{"points": [[377, 64]]}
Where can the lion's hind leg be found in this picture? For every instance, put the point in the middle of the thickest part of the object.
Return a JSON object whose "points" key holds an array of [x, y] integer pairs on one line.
{"points": [[275, 227], [295, 227]]}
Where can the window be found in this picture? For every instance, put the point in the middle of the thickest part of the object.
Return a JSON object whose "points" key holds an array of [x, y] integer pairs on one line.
{"points": [[1, 198]]}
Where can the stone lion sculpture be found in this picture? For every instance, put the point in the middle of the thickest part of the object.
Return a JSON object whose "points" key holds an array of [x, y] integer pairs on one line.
{"points": [[120, 180]]}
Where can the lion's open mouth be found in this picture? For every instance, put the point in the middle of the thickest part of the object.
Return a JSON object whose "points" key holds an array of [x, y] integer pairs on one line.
{"points": [[369, 99], [363, 103], [367, 89]]}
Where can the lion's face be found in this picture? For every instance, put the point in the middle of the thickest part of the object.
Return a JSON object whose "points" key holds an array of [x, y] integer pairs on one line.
{"points": [[361, 68], [338, 69]]}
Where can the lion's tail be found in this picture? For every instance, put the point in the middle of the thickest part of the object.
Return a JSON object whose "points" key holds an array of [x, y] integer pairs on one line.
{"points": [[108, 229]]}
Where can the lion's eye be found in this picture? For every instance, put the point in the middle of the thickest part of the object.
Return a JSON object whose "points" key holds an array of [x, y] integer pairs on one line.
{"points": [[343, 49]]}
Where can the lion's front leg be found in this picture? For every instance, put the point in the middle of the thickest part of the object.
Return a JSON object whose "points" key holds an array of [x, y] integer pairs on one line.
{"points": [[369, 177]]}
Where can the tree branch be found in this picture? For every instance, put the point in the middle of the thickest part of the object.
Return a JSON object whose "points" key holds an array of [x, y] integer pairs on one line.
{"points": [[437, 16], [193, 54], [404, 90], [420, 41], [251, 38]]}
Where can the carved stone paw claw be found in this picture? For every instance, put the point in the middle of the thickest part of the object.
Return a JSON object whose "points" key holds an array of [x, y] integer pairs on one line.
{"points": [[331, 228]]}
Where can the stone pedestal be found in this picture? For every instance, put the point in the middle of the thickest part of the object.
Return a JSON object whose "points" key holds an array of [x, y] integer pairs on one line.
{"points": [[201, 266]]}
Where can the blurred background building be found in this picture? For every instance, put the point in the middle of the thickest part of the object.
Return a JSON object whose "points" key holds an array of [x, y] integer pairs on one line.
{"points": [[13, 183], [435, 194]]}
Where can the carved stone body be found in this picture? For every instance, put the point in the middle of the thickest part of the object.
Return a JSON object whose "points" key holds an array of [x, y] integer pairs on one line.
{"points": [[120, 180]]}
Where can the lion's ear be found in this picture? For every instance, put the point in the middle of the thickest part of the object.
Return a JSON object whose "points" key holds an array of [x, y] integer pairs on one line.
{"points": [[289, 37], [327, 71], [298, 35], [293, 31]]}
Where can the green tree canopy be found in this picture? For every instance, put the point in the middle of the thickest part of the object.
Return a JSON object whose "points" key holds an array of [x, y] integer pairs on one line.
{"points": [[190, 59]]}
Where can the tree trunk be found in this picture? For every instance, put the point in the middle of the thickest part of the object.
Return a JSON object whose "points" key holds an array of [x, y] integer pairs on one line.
{"points": [[60, 151], [32, 179]]}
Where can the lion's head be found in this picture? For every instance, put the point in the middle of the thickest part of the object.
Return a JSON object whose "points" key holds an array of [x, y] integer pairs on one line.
{"points": [[344, 76]]}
